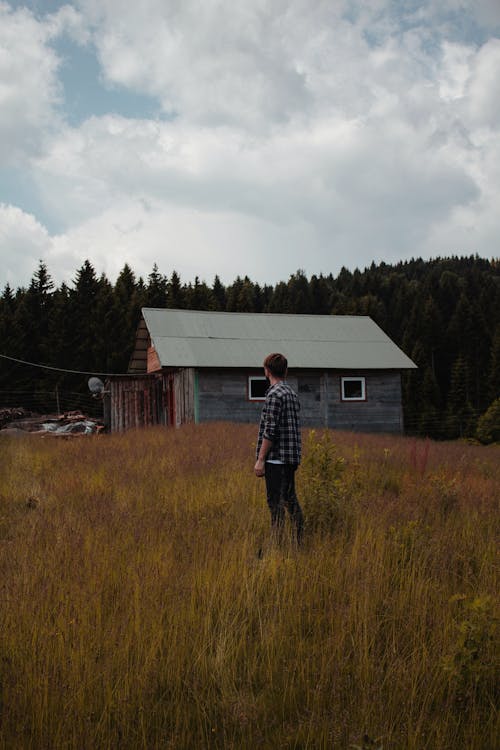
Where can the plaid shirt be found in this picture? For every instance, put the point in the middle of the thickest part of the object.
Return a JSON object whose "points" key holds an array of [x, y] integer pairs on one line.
{"points": [[280, 423]]}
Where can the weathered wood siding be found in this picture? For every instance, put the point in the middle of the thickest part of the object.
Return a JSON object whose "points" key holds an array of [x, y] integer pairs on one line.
{"points": [[180, 396], [184, 395], [310, 389], [223, 396], [382, 410], [136, 402], [154, 364]]}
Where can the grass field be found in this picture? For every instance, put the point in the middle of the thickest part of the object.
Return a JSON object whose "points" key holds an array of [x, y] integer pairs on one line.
{"points": [[135, 611]]}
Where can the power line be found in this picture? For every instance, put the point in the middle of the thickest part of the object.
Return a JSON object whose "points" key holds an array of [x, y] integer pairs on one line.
{"points": [[61, 369]]}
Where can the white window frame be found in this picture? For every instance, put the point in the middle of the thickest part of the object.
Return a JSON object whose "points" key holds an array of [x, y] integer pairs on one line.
{"points": [[350, 379], [249, 387]]}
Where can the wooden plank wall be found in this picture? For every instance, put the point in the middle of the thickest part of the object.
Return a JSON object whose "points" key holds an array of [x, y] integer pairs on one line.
{"points": [[153, 360], [136, 402], [381, 412], [223, 396], [184, 395], [138, 360]]}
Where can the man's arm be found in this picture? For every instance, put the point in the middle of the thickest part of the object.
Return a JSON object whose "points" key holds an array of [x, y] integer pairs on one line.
{"points": [[273, 411], [260, 464]]}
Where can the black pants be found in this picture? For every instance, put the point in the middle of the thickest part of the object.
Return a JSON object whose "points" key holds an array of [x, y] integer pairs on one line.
{"points": [[280, 488]]}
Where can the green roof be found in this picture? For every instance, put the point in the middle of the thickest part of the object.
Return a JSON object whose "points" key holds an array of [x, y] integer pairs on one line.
{"points": [[192, 338]]}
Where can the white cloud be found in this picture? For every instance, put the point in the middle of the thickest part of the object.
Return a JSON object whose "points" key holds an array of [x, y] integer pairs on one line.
{"points": [[23, 241], [303, 137], [484, 87], [192, 241], [29, 87], [67, 21], [207, 202], [211, 62], [455, 70], [258, 65]]}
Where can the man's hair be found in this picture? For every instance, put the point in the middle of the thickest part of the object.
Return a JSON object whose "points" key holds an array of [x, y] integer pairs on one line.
{"points": [[277, 364]]}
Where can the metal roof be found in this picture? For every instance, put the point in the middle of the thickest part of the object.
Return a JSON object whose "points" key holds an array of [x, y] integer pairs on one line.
{"points": [[192, 338]]}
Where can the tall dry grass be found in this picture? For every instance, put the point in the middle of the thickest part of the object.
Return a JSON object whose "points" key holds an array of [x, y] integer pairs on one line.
{"points": [[135, 611]]}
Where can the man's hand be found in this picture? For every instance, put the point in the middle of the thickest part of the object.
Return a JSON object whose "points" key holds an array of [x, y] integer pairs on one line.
{"points": [[260, 467]]}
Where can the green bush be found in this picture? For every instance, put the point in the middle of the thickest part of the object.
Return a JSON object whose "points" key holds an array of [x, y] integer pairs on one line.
{"points": [[325, 494], [471, 664], [488, 426]]}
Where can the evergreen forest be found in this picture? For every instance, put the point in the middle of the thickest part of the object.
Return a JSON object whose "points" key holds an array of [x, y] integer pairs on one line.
{"points": [[443, 313]]}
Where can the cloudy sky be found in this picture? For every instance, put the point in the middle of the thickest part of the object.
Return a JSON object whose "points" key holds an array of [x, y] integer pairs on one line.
{"points": [[246, 136]]}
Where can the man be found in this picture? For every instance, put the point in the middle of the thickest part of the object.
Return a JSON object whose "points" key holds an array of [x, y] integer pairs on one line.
{"points": [[279, 447]]}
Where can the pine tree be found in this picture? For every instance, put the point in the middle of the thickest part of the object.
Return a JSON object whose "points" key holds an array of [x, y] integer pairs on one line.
{"points": [[175, 293], [103, 349], [32, 343], [320, 295], [81, 313], [280, 302], [156, 290], [8, 368], [246, 297], [233, 295], [460, 420], [123, 318], [218, 295], [299, 300], [370, 305], [494, 367], [198, 296]]}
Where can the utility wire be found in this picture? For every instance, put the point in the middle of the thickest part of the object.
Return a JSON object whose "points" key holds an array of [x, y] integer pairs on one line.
{"points": [[61, 369]]}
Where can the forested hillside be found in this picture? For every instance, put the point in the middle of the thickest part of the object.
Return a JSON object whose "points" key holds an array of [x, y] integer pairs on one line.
{"points": [[444, 313]]}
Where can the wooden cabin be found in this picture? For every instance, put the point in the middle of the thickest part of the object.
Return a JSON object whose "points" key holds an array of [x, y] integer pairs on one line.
{"points": [[196, 366]]}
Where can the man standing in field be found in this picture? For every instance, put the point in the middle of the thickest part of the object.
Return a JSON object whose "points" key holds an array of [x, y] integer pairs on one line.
{"points": [[279, 447]]}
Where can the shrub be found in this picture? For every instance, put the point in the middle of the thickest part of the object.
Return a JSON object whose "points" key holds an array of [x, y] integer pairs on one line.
{"points": [[488, 426], [471, 664], [325, 493]]}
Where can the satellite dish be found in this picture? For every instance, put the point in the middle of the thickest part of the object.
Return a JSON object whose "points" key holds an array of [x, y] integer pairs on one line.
{"points": [[96, 386]]}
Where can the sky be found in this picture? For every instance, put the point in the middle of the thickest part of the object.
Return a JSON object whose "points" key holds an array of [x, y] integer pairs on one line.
{"points": [[246, 137]]}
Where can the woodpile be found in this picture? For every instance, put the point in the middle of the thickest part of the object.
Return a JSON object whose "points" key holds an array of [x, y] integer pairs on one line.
{"points": [[8, 414], [18, 421]]}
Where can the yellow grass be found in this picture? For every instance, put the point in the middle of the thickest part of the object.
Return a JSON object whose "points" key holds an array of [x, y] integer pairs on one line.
{"points": [[135, 611]]}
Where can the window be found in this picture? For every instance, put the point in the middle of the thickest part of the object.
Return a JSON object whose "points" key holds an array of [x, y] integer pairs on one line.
{"points": [[257, 387], [353, 389]]}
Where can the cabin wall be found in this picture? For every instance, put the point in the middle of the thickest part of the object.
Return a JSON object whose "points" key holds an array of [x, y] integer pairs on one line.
{"points": [[167, 398], [184, 395], [223, 396], [180, 396], [310, 390], [137, 401], [381, 412]]}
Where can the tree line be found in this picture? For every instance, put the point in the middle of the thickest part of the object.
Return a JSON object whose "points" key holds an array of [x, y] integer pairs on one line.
{"points": [[443, 313]]}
